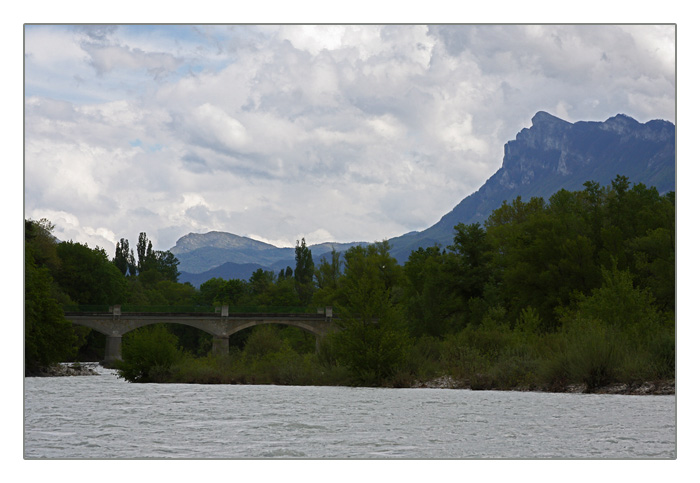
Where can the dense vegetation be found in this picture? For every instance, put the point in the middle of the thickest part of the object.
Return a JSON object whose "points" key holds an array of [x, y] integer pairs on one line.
{"points": [[576, 289]]}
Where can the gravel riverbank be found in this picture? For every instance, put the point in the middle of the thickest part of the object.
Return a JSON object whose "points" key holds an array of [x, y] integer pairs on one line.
{"points": [[657, 388]]}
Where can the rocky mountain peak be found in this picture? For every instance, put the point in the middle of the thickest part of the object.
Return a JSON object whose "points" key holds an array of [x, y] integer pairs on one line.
{"points": [[620, 124], [216, 239], [544, 118], [545, 134]]}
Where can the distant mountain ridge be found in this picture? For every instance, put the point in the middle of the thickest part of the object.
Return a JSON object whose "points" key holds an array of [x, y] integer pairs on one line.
{"points": [[552, 154], [219, 254]]}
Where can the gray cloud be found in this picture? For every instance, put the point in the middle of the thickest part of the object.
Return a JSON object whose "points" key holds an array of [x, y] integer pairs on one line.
{"points": [[106, 58]]}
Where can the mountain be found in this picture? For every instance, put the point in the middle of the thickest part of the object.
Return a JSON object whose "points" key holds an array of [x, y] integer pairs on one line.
{"points": [[227, 271], [550, 155], [219, 254], [555, 154]]}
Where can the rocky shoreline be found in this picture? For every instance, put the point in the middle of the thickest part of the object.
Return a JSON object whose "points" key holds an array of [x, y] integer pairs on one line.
{"points": [[69, 369], [656, 388]]}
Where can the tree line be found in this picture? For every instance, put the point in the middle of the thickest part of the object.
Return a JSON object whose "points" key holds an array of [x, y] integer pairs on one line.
{"points": [[579, 288]]}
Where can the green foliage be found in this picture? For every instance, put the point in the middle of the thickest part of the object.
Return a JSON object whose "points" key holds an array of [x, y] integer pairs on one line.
{"points": [[472, 270], [263, 340], [529, 322], [124, 258], [48, 336], [328, 275], [431, 292], [152, 266], [616, 333], [592, 353], [619, 305], [304, 272], [87, 276], [576, 289], [373, 352], [148, 354], [144, 250], [372, 342]]}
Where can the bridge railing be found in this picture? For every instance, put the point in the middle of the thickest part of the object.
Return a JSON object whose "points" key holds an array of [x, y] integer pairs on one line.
{"points": [[267, 309], [173, 309], [232, 309], [86, 308]]}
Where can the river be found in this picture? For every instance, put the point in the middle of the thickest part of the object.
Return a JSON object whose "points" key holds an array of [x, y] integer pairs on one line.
{"points": [[104, 417]]}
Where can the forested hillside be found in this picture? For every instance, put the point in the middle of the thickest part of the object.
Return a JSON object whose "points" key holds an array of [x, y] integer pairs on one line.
{"points": [[578, 288]]}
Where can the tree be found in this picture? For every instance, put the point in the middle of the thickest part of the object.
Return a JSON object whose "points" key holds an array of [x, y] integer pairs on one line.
{"points": [[166, 264], [328, 275], [144, 250], [285, 274], [124, 258], [431, 296], [471, 247], [39, 239], [148, 354], [372, 343], [621, 306], [48, 337], [209, 291], [304, 272], [260, 282], [88, 276], [153, 266]]}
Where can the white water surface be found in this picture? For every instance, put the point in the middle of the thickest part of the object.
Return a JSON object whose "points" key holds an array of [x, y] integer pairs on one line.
{"points": [[104, 417]]}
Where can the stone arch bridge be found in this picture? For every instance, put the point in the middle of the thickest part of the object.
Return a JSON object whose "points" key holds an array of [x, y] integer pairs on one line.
{"points": [[221, 325]]}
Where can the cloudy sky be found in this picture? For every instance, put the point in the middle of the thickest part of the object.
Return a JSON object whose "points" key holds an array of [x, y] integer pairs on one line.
{"points": [[329, 132]]}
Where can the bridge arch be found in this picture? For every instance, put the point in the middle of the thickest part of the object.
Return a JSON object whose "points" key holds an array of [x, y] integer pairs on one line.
{"points": [[221, 326], [291, 323]]}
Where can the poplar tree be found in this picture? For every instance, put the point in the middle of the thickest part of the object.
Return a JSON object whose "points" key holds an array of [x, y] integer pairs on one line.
{"points": [[304, 272]]}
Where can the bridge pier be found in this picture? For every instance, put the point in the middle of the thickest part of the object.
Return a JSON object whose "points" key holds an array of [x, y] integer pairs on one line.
{"points": [[219, 346], [113, 348]]}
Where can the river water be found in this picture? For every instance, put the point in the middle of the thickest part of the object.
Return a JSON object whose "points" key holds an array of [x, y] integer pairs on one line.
{"points": [[104, 417]]}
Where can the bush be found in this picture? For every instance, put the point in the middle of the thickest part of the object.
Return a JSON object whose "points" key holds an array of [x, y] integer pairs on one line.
{"points": [[148, 355], [516, 369], [662, 350], [205, 370], [373, 352], [262, 341], [460, 358], [592, 354], [424, 356]]}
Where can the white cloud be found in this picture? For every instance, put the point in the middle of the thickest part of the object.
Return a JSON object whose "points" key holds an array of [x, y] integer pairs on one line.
{"points": [[213, 125]]}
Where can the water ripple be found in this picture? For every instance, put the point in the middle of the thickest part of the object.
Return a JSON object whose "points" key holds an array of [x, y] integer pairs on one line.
{"points": [[105, 417]]}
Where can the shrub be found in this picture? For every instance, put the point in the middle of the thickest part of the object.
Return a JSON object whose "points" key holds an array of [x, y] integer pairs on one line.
{"points": [[460, 357], [423, 360], [516, 368], [663, 354], [148, 354], [373, 352], [262, 341], [593, 354]]}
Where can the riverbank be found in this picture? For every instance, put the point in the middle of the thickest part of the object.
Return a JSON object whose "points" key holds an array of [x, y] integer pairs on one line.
{"points": [[651, 388], [68, 369]]}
